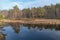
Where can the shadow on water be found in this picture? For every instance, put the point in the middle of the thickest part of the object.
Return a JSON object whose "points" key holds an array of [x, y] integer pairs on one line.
{"points": [[16, 28]]}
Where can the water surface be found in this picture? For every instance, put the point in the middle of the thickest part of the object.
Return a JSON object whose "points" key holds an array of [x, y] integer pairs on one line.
{"points": [[15, 31]]}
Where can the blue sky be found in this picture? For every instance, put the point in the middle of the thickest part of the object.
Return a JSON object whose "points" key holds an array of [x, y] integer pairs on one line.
{"points": [[8, 4]]}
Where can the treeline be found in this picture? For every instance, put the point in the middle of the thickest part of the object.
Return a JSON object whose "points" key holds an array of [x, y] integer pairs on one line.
{"points": [[49, 12]]}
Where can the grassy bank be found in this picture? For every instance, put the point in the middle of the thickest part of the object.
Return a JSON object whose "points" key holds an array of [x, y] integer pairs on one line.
{"points": [[33, 21]]}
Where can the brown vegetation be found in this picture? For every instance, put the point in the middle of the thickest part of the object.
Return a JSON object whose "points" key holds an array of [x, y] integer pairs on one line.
{"points": [[35, 21]]}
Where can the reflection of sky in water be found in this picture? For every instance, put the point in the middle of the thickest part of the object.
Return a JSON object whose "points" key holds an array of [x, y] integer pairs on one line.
{"points": [[31, 34]]}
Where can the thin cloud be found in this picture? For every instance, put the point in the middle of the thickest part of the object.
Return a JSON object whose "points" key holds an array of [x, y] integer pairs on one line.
{"points": [[8, 4]]}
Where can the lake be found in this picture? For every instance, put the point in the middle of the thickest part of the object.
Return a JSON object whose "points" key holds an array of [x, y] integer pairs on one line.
{"points": [[16, 31]]}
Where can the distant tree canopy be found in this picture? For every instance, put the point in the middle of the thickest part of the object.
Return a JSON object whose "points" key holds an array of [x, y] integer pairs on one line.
{"points": [[14, 13], [50, 12]]}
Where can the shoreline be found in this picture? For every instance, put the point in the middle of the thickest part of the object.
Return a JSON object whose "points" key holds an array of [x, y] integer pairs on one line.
{"points": [[35, 21]]}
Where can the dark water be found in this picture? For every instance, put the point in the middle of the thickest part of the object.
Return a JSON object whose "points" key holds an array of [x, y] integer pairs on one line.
{"points": [[17, 31]]}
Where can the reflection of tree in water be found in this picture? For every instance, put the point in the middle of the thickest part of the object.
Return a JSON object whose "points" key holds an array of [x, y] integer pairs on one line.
{"points": [[16, 27], [40, 27], [57, 28]]}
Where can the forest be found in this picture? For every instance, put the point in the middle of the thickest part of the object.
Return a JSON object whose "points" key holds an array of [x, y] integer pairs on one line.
{"points": [[46, 12]]}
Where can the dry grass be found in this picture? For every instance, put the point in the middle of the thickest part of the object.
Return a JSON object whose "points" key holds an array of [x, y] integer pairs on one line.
{"points": [[34, 21]]}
